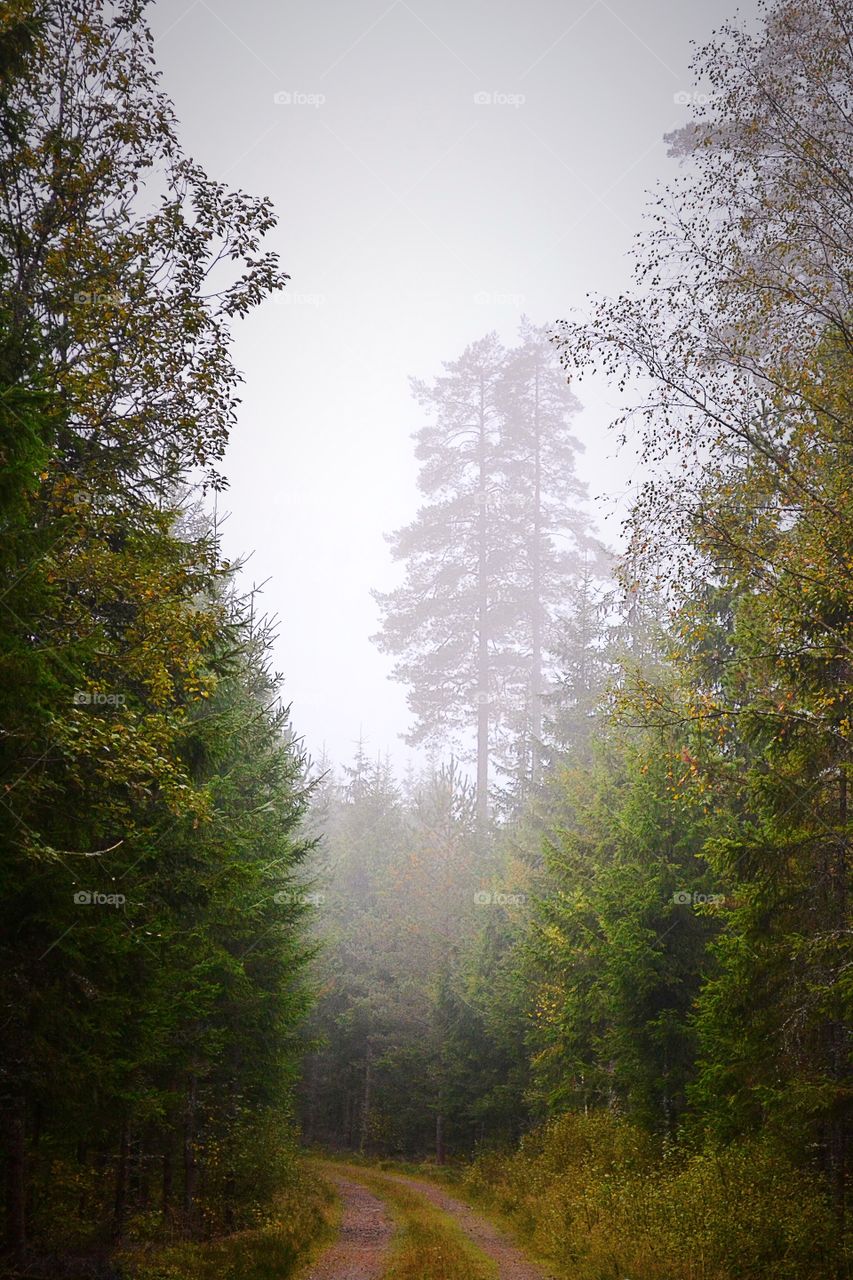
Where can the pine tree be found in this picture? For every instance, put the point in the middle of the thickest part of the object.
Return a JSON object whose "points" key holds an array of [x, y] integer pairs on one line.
{"points": [[447, 622], [542, 498], [492, 556], [154, 1024]]}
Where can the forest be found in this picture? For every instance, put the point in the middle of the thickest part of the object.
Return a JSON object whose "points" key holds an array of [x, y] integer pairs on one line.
{"points": [[569, 995]]}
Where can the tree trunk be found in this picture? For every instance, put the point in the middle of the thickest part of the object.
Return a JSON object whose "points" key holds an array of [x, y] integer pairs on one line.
{"points": [[365, 1105], [536, 602], [120, 1200], [840, 1116], [16, 1164], [439, 1138], [310, 1126], [168, 1183], [145, 1173], [190, 1161], [482, 626]]}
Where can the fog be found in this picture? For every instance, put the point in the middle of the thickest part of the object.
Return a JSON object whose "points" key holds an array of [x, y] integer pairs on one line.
{"points": [[438, 170]]}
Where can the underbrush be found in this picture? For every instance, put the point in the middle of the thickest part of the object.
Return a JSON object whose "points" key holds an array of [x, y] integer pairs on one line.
{"points": [[594, 1196], [301, 1218]]}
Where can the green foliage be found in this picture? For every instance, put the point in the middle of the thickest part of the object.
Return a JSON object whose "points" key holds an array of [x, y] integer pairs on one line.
{"points": [[594, 1196], [152, 789], [742, 526], [615, 961]]}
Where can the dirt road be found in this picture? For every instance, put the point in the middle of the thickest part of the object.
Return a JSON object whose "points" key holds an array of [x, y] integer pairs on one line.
{"points": [[362, 1247], [361, 1251], [511, 1262]]}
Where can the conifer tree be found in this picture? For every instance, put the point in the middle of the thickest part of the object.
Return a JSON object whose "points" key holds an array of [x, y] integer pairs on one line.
{"points": [[492, 556]]}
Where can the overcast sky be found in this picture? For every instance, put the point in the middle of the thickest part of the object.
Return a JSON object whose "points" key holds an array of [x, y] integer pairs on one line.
{"points": [[439, 167]]}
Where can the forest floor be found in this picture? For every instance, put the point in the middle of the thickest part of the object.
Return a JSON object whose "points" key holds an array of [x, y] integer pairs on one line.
{"points": [[394, 1227]]}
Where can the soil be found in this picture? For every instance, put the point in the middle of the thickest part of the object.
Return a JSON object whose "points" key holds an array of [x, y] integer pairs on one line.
{"points": [[360, 1251]]}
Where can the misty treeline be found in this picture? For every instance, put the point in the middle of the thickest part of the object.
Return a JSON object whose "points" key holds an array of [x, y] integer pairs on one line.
{"points": [[669, 948], [151, 786], [507, 625], [418, 1029]]}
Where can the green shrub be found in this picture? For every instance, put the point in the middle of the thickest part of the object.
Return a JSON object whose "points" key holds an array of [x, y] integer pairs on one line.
{"points": [[594, 1195]]}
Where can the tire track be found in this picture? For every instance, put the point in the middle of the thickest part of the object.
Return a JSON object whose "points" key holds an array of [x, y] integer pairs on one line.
{"points": [[361, 1250], [511, 1262]]}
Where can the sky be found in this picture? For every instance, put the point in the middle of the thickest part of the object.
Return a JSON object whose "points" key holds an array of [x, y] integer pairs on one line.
{"points": [[439, 168]]}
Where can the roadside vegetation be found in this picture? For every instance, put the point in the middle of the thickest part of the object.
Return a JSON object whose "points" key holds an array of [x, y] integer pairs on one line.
{"points": [[301, 1218], [597, 1198]]}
